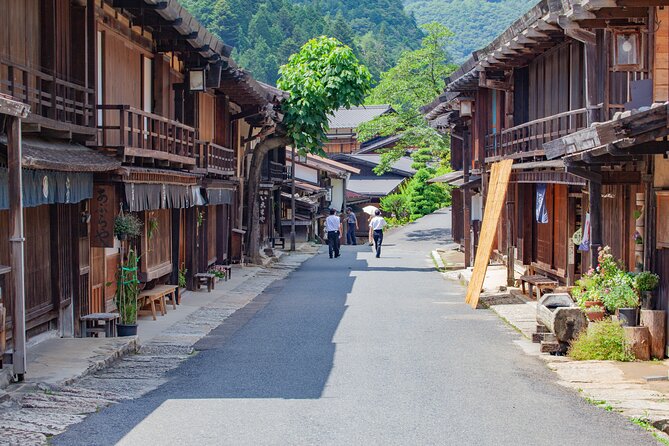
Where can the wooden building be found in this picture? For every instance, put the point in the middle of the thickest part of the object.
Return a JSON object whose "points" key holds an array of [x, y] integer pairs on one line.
{"points": [[553, 72], [134, 106], [320, 185], [342, 124]]}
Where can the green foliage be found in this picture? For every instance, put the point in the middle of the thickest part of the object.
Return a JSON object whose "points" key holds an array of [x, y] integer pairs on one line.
{"points": [[266, 32], [603, 340], [397, 207], [424, 198], [182, 276], [646, 281], [416, 80], [127, 225], [323, 76], [127, 289], [475, 22]]}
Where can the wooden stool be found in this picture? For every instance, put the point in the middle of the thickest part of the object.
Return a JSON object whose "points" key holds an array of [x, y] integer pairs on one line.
{"points": [[90, 324], [228, 271], [205, 279], [539, 281]]}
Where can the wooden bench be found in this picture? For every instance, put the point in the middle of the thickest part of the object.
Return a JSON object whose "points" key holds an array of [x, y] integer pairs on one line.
{"points": [[96, 323], [205, 279], [539, 281], [146, 303], [228, 271], [168, 294]]}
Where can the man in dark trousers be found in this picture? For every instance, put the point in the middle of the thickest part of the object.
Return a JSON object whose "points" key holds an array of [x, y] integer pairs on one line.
{"points": [[351, 227], [376, 226], [333, 228]]}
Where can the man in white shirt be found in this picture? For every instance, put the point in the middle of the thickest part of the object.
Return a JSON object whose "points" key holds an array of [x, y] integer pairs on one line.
{"points": [[376, 226], [333, 228]]}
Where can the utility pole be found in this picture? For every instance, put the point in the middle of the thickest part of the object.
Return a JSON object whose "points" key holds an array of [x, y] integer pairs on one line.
{"points": [[15, 111], [292, 199]]}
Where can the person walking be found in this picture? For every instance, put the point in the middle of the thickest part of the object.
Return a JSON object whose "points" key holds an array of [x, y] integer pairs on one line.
{"points": [[376, 226], [351, 227], [333, 228]]}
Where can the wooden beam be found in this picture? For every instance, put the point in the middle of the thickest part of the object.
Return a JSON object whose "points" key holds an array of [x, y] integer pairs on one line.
{"points": [[12, 107], [138, 4], [584, 173]]}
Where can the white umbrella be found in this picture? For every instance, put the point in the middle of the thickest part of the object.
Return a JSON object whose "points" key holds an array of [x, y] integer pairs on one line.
{"points": [[371, 210]]}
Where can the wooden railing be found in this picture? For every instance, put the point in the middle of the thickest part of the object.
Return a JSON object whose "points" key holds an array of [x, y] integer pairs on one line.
{"points": [[215, 159], [136, 133], [528, 139], [49, 96], [277, 171]]}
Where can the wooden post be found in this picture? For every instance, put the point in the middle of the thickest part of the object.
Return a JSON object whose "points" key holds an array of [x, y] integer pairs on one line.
{"points": [[639, 341], [292, 197], [591, 82], [595, 197], [16, 240], [466, 197], [655, 320]]}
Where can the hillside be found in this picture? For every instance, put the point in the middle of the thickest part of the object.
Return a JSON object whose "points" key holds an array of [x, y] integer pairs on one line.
{"points": [[474, 22], [266, 32]]}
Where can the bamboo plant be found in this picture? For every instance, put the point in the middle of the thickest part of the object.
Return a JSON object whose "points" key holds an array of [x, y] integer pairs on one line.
{"points": [[127, 289]]}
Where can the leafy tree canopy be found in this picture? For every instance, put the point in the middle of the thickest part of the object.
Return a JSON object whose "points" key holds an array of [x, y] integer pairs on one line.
{"points": [[323, 76], [416, 80]]}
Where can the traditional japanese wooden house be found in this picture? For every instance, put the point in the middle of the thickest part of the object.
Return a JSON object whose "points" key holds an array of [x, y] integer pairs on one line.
{"points": [[320, 185], [555, 71], [177, 129], [44, 53]]}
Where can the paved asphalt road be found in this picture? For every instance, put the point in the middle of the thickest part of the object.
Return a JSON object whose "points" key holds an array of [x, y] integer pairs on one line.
{"points": [[362, 351]]}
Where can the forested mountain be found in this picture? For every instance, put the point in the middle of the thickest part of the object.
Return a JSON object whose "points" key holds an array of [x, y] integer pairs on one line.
{"points": [[266, 32], [474, 22]]}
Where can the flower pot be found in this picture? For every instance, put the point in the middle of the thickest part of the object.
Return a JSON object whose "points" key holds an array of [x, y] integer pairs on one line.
{"points": [[647, 300], [628, 317], [592, 303], [594, 316], [126, 330]]}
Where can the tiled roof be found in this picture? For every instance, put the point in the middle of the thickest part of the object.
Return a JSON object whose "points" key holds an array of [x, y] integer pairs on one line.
{"points": [[378, 187], [352, 117], [401, 166]]}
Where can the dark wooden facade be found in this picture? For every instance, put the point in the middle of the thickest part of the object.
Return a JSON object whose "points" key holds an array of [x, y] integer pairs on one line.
{"points": [[112, 83]]}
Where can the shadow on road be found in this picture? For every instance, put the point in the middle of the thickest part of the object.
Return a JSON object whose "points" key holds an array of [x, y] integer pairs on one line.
{"points": [[442, 234], [278, 346]]}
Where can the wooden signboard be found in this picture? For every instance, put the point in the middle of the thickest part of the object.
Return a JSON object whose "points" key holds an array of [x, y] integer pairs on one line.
{"points": [[104, 207], [499, 182]]}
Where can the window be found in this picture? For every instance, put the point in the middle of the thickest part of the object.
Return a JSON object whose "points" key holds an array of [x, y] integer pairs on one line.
{"points": [[627, 49]]}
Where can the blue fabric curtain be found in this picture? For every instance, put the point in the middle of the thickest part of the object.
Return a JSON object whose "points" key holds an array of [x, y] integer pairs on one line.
{"points": [[48, 187], [541, 210]]}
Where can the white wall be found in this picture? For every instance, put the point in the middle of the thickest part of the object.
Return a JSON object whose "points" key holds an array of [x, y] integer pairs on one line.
{"points": [[306, 173], [337, 194]]}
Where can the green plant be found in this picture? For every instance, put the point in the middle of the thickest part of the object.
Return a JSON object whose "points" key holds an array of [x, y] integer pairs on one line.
{"points": [[619, 294], [200, 218], [182, 276], [637, 214], [127, 225], [603, 340], [127, 289], [646, 281]]}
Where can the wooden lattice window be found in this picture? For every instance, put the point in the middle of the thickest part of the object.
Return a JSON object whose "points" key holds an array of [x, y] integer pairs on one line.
{"points": [[662, 219]]}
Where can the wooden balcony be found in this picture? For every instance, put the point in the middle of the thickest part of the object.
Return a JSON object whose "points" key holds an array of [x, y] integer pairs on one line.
{"points": [[55, 103], [526, 140], [214, 159], [133, 133]]}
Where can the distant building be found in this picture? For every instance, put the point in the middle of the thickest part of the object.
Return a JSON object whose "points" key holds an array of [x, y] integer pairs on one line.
{"points": [[343, 122]]}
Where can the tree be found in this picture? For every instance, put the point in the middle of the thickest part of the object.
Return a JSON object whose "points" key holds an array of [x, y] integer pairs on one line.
{"points": [[416, 80], [323, 76]]}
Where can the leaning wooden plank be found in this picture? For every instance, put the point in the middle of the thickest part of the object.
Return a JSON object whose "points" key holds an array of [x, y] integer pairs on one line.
{"points": [[499, 181]]}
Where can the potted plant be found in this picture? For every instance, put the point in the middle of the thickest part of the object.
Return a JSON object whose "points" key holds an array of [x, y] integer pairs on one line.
{"points": [[620, 297], [645, 283], [127, 225], [595, 313], [127, 291]]}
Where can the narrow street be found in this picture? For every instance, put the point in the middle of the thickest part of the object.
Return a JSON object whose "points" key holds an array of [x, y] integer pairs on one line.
{"points": [[359, 350]]}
